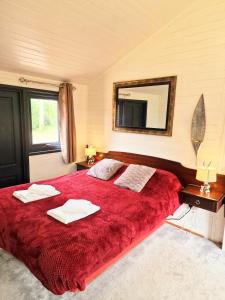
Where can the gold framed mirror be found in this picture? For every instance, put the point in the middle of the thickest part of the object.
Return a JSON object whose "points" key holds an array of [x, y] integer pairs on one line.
{"points": [[144, 106]]}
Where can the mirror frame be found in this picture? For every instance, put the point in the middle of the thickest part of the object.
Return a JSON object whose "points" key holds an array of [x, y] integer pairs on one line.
{"points": [[171, 80]]}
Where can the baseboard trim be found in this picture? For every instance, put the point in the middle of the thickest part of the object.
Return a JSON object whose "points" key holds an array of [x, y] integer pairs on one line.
{"points": [[219, 244], [185, 229]]}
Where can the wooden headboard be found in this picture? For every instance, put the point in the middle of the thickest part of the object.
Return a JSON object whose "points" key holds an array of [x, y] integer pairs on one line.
{"points": [[185, 175]]}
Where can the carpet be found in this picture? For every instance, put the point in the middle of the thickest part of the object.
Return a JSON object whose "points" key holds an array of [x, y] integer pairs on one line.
{"points": [[169, 264]]}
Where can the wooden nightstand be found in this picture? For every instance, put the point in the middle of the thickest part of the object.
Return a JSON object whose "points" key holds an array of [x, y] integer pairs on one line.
{"points": [[191, 195], [83, 165]]}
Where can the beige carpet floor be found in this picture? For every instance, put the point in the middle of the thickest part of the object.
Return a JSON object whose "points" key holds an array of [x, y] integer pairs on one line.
{"points": [[169, 264]]}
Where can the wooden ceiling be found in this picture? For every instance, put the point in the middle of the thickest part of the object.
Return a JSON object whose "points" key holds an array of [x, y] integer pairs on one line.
{"points": [[76, 39]]}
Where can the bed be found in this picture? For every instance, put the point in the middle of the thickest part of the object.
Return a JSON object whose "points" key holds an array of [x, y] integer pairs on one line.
{"points": [[67, 257]]}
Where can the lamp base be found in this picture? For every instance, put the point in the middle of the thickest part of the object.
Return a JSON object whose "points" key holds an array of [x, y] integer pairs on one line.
{"points": [[90, 160], [205, 188]]}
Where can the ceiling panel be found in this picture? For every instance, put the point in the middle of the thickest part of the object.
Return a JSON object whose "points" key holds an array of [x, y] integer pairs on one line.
{"points": [[76, 39]]}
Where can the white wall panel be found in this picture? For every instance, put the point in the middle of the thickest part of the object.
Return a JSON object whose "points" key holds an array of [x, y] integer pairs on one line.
{"points": [[193, 48]]}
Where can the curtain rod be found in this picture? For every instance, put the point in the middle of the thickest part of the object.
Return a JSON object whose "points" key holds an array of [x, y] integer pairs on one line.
{"points": [[124, 94], [24, 80]]}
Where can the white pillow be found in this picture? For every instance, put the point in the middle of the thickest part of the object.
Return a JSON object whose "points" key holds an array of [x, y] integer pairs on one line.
{"points": [[135, 177], [105, 168]]}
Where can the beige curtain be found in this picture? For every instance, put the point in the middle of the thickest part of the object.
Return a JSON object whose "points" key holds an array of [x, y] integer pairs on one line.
{"points": [[67, 123]]}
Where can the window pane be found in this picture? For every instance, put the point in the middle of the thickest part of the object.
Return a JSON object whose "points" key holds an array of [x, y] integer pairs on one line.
{"points": [[44, 116]]}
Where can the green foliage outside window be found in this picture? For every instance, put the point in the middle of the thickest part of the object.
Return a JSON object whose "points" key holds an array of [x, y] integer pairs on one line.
{"points": [[44, 114]]}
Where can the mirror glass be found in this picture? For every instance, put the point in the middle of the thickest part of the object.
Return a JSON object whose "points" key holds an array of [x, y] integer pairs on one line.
{"points": [[145, 106]]}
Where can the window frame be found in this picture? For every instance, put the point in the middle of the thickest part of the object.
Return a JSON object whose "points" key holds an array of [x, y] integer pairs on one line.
{"points": [[42, 148]]}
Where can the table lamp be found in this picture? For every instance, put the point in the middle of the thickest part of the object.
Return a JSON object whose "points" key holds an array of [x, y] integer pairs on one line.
{"points": [[206, 174], [90, 152]]}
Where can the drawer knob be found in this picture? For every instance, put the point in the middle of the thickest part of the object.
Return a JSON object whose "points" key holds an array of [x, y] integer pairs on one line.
{"points": [[197, 202]]}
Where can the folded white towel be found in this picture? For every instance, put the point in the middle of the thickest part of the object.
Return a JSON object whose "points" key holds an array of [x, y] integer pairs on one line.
{"points": [[73, 210], [36, 192], [42, 189]]}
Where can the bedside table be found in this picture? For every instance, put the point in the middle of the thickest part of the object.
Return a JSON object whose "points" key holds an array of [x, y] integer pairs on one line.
{"points": [[83, 165], [212, 201]]}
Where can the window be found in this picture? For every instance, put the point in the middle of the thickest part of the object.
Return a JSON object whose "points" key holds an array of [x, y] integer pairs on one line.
{"points": [[44, 118], [43, 122]]}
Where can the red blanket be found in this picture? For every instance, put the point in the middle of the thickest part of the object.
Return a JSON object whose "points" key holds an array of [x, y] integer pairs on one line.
{"points": [[62, 256]]}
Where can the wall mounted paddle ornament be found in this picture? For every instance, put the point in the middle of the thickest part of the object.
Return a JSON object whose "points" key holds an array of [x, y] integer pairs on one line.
{"points": [[198, 125]]}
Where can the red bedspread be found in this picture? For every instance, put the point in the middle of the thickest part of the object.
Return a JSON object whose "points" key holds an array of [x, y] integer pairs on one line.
{"points": [[63, 256]]}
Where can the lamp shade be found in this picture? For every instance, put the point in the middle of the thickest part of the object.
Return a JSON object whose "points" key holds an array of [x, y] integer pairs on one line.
{"points": [[91, 151], [205, 174]]}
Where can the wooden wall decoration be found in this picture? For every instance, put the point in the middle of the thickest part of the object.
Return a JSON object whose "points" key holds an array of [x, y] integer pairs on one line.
{"points": [[198, 125]]}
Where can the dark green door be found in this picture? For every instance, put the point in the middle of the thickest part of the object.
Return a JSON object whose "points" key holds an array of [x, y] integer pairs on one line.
{"points": [[11, 152]]}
